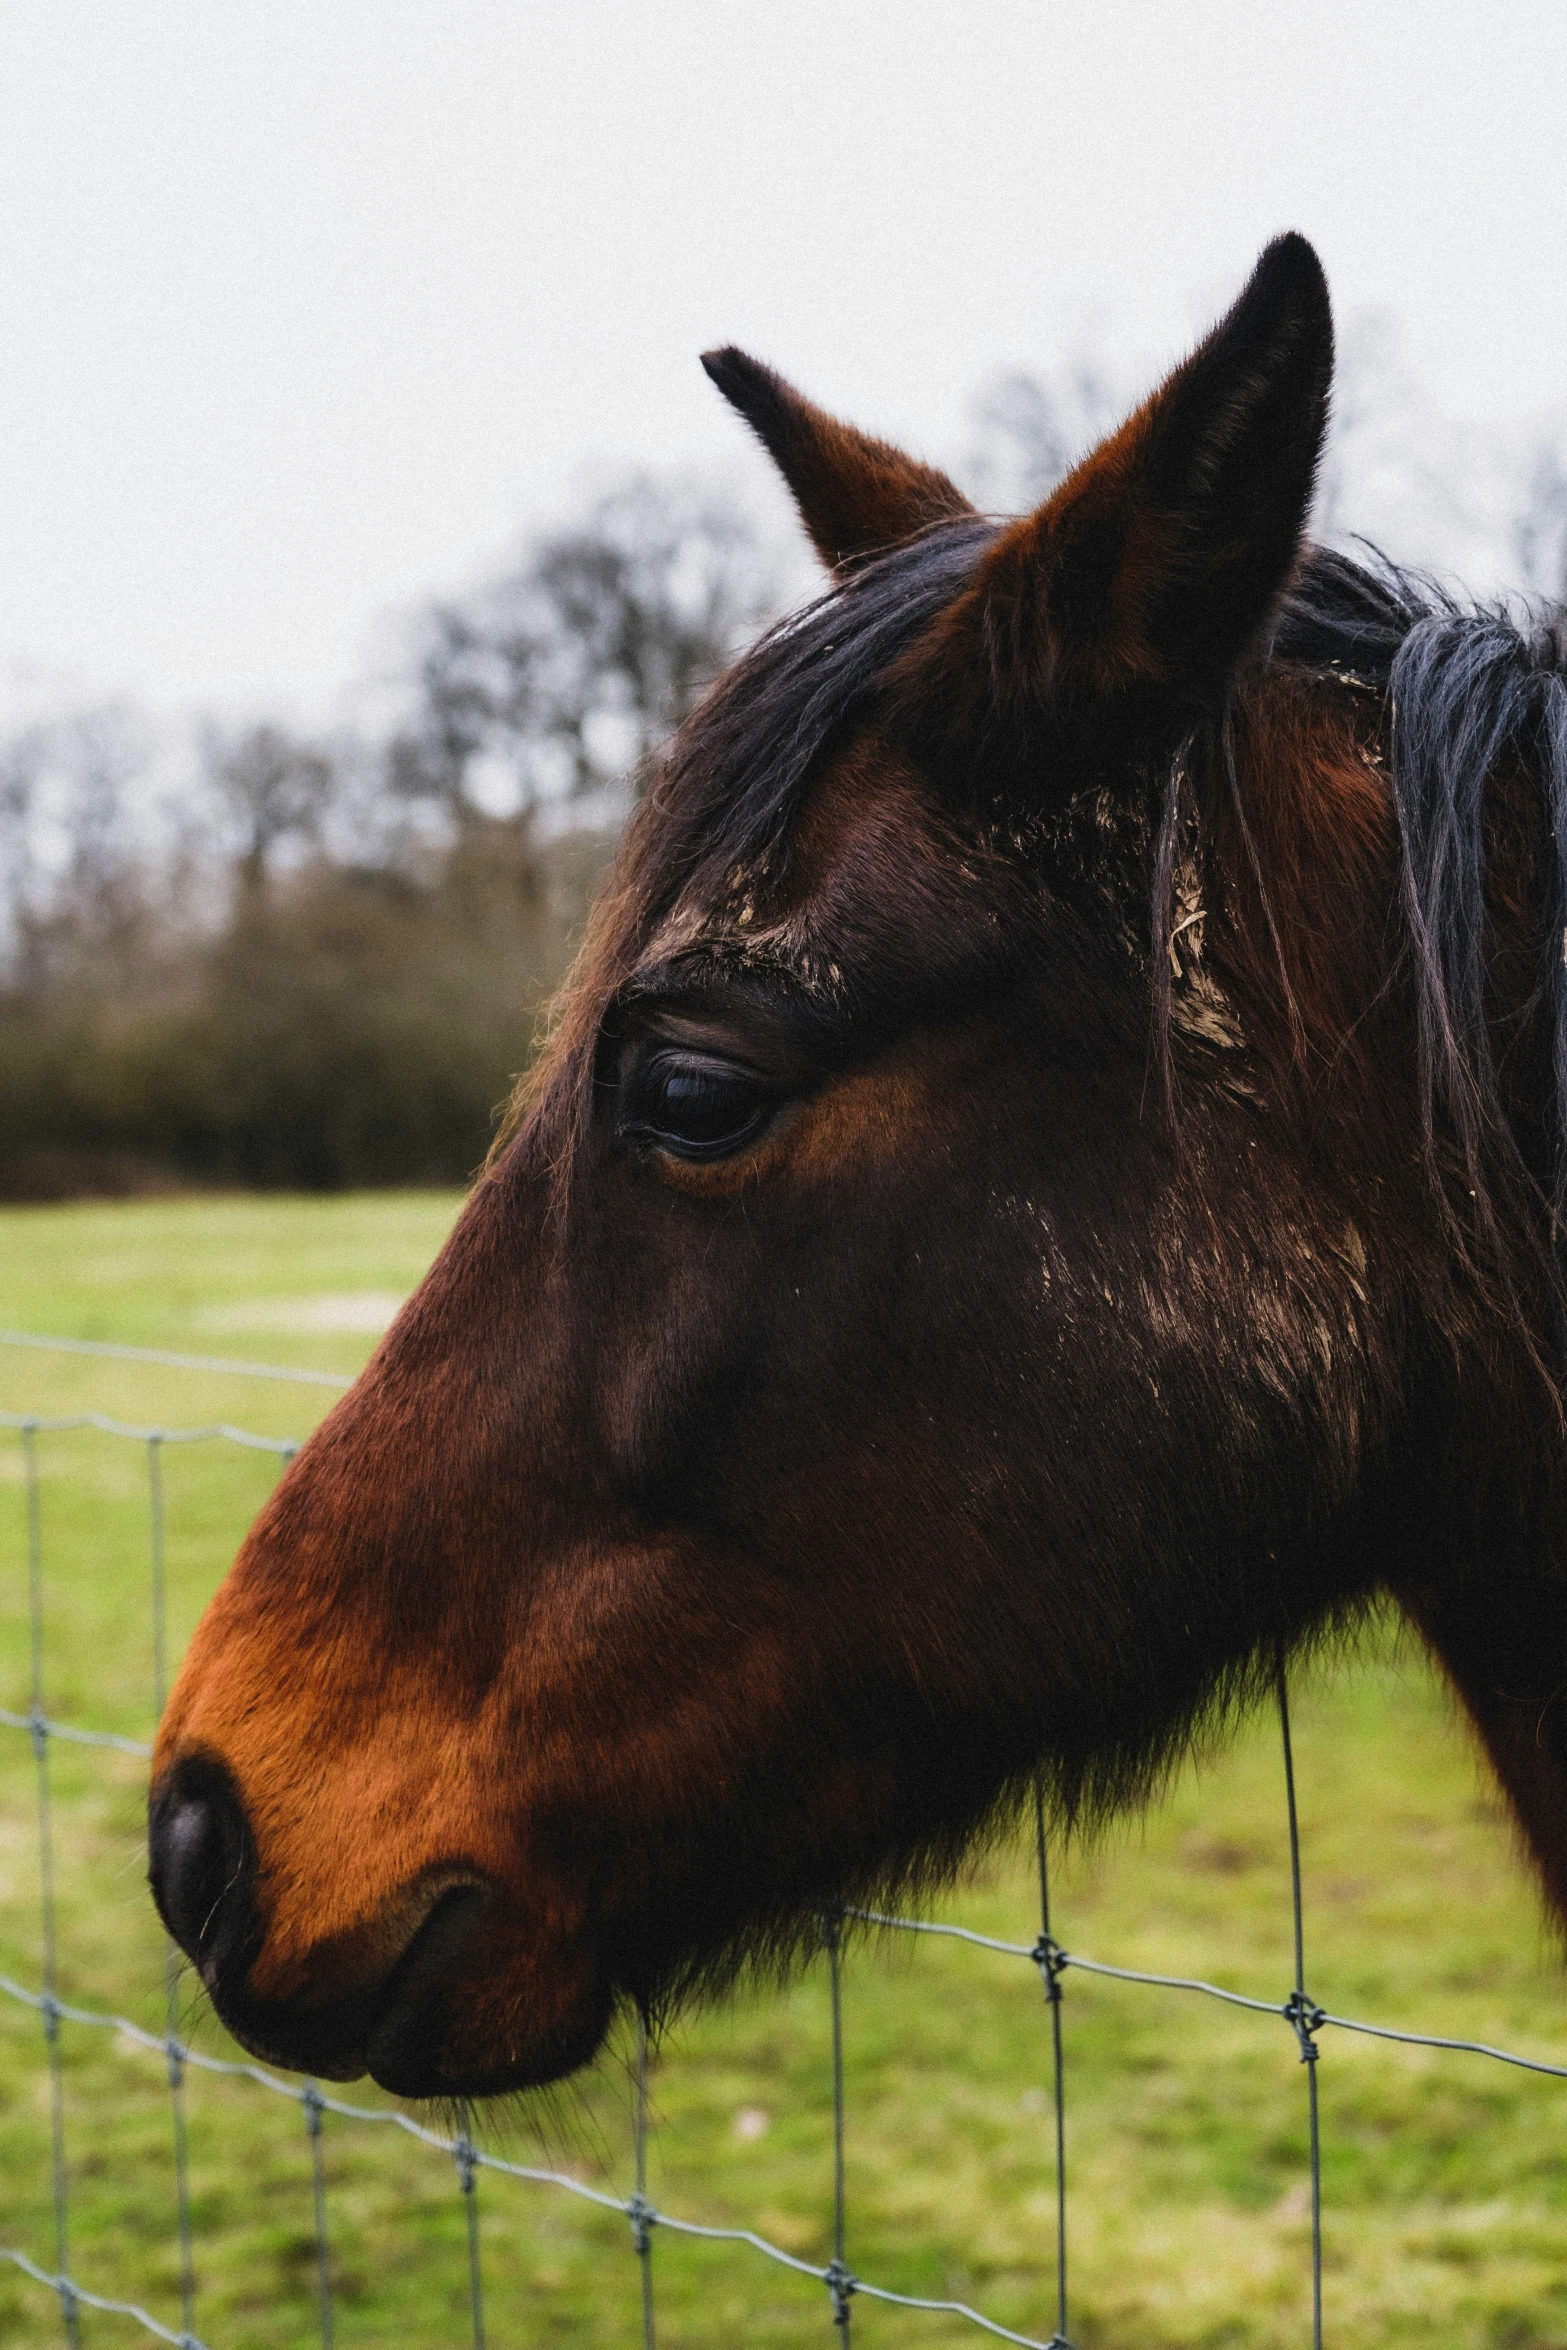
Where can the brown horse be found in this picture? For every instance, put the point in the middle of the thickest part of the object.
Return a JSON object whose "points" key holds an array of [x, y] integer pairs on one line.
{"points": [[1043, 1191]]}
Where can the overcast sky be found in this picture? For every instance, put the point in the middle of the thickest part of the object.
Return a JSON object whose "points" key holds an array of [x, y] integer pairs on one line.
{"points": [[307, 310]]}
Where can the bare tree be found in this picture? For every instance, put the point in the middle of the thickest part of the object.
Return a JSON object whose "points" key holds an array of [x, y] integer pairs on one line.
{"points": [[1539, 530], [18, 793], [273, 789], [563, 676], [75, 861]]}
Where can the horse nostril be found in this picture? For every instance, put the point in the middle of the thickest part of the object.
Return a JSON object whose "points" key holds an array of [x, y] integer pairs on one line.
{"points": [[192, 1852], [198, 1848]]}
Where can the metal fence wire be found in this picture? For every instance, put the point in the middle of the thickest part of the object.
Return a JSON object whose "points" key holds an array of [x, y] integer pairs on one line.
{"points": [[842, 2283]]}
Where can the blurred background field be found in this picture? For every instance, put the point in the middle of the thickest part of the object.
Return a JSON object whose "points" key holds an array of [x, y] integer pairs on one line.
{"points": [[1444, 2175]]}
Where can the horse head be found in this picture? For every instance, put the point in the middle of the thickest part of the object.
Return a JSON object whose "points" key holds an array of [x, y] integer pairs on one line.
{"points": [[959, 1291]]}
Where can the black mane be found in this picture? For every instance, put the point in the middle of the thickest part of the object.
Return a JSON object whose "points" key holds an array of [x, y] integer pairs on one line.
{"points": [[1468, 689]]}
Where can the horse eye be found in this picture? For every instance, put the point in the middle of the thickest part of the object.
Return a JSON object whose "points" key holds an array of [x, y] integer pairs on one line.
{"points": [[696, 1107]]}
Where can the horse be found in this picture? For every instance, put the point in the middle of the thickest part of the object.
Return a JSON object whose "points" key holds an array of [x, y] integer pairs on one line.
{"points": [[1042, 1199]]}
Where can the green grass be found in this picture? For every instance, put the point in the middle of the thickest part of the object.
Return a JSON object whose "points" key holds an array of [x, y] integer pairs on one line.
{"points": [[1444, 2175]]}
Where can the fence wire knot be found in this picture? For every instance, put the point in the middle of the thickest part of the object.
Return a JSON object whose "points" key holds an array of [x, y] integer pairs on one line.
{"points": [[38, 1731], [174, 2050], [49, 2008], [644, 2219], [1052, 1962], [310, 2098], [1304, 2017], [466, 2156], [841, 2285]]}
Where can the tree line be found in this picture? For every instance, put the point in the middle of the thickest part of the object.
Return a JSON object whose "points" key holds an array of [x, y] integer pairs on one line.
{"points": [[320, 962], [317, 962]]}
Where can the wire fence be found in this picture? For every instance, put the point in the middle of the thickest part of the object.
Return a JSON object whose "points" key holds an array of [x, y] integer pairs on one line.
{"points": [[1045, 1956]]}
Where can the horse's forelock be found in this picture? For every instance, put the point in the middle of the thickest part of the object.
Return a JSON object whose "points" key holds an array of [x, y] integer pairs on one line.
{"points": [[735, 776]]}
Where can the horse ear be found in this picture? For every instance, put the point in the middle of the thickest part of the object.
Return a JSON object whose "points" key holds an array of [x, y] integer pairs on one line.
{"points": [[857, 496], [1152, 568]]}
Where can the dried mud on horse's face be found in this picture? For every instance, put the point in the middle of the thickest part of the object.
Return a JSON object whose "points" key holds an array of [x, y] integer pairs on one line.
{"points": [[993, 1251]]}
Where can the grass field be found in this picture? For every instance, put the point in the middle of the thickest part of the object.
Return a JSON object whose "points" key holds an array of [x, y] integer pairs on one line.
{"points": [[1445, 2176]]}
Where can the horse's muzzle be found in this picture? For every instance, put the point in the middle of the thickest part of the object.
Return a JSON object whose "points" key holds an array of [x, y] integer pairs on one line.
{"points": [[202, 1868], [405, 2024]]}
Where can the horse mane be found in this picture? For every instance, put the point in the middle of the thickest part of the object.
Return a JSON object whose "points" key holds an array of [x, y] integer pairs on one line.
{"points": [[1470, 693]]}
